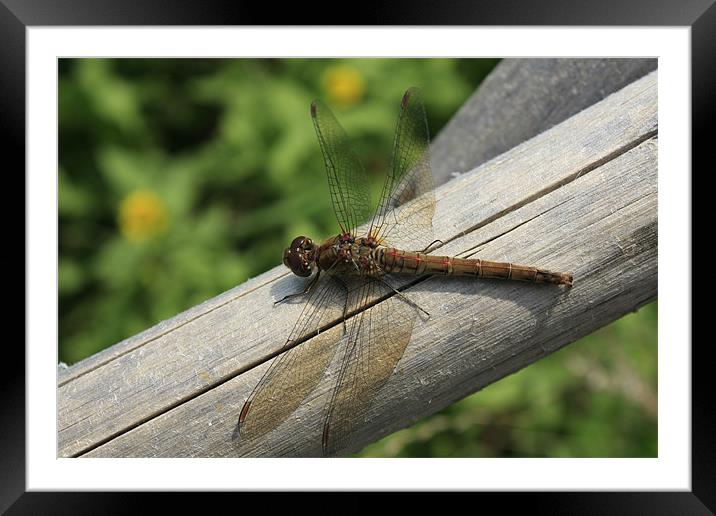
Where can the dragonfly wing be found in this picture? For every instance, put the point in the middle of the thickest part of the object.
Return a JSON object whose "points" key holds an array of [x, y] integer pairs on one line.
{"points": [[375, 342], [409, 179], [294, 373], [347, 180]]}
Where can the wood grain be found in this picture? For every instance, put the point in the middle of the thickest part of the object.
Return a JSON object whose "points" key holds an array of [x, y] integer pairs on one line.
{"points": [[523, 97], [579, 198]]}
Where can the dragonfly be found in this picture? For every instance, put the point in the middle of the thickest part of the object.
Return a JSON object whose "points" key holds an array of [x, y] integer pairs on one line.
{"points": [[354, 283]]}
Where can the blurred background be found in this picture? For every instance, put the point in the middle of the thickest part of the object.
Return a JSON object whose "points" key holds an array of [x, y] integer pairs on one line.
{"points": [[181, 178]]}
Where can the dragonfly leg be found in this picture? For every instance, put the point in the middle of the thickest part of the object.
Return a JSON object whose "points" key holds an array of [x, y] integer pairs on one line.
{"points": [[426, 250], [305, 290], [402, 296]]}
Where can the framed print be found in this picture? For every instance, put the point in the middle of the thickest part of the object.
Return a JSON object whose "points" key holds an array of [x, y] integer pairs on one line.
{"points": [[168, 167]]}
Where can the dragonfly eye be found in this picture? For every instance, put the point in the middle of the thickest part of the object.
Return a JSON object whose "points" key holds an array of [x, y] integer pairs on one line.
{"points": [[299, 256], [299, 242]]}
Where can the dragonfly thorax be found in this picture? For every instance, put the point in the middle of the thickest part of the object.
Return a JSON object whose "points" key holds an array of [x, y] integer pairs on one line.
{"points": [[345, 248], [345, 254]]}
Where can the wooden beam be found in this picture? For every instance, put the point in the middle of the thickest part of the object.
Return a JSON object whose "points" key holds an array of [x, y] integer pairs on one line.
{"points": [[523, 97]]}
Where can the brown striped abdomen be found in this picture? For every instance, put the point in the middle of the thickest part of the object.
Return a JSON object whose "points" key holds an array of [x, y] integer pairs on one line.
{"points": [[398, 261]]}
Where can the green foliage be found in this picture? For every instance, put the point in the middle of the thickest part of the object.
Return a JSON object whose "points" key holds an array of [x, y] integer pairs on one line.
{"points": [[181, 178]]}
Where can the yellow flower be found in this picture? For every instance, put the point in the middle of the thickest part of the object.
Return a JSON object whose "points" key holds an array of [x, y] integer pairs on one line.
{"points": [[142, 215], [344, 84]]}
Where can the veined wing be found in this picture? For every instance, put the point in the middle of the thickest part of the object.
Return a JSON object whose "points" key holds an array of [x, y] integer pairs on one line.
{"points": [[347, 180], [294, 373], [375, 342], [409, 178]]}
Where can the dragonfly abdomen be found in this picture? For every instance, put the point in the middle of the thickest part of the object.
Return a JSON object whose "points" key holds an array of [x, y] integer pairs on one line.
{"points": [[398, 261]]}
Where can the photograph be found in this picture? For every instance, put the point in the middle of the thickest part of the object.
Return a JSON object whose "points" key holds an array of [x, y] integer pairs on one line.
{"points": [[357, 257], [422, 253]]}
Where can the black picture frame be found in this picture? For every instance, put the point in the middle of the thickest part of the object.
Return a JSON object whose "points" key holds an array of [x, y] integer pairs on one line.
{"points": [[17, 15]]}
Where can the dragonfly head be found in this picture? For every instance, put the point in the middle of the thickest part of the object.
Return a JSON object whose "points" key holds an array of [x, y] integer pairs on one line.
{"points": [[300, 256]]}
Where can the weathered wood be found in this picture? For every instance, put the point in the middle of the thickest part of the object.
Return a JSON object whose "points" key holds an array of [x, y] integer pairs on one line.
{"points": [[523, 97], [580, 197]]}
